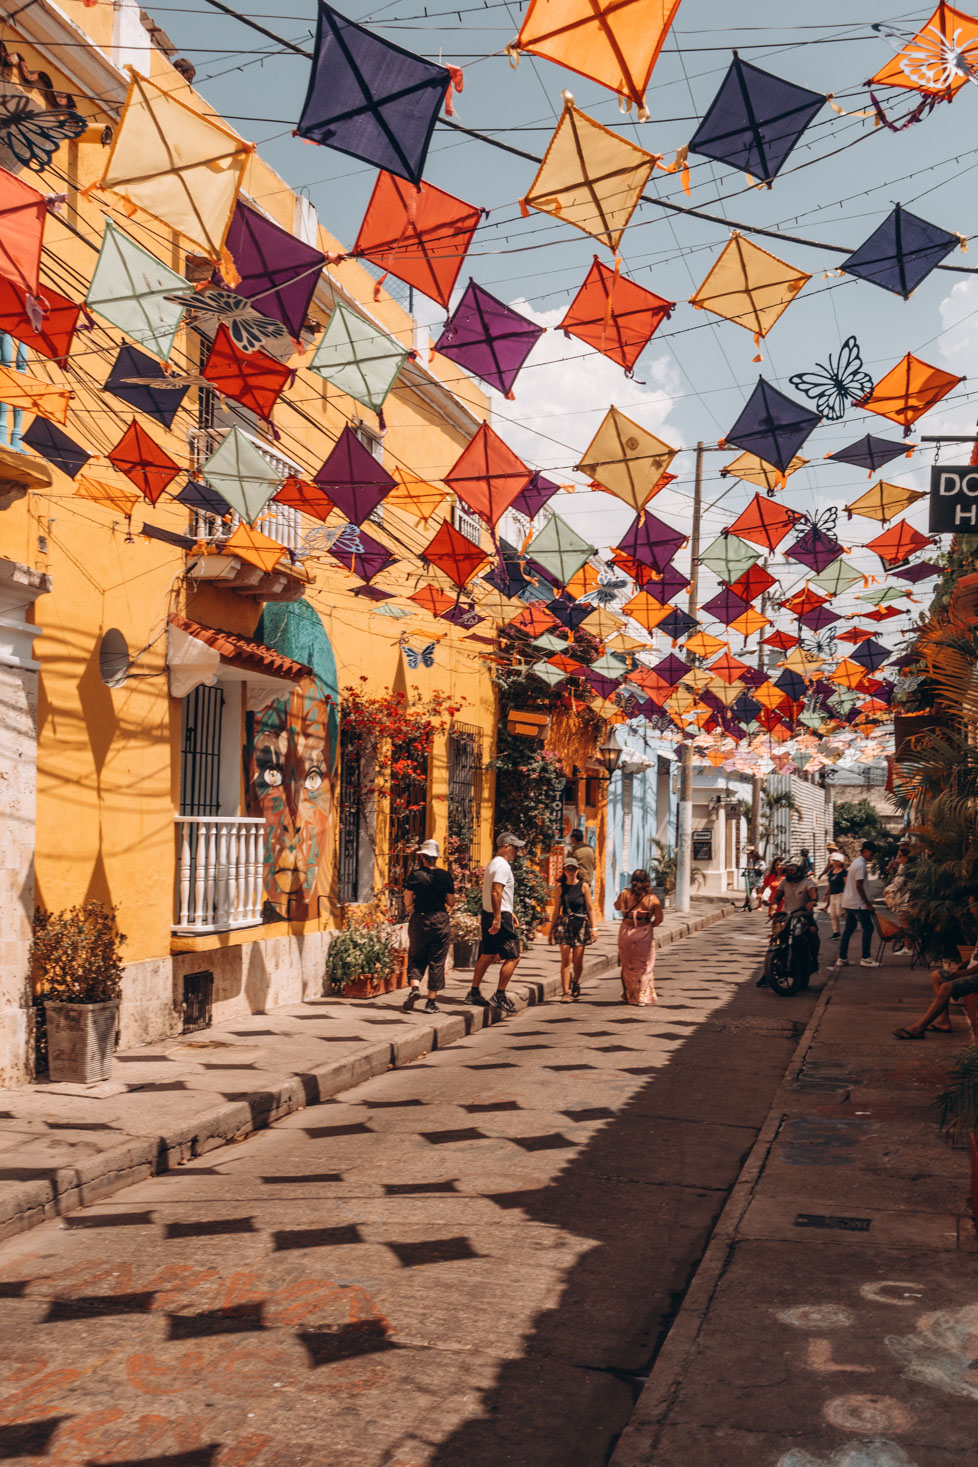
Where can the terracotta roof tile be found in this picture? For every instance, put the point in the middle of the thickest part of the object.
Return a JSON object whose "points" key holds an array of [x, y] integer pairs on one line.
{"points": [[242, 651]]}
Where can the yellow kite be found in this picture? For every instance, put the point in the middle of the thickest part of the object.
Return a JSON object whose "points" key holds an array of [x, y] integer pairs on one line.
{"points": [[613, 42], [749, 286], [884, 501], [590, 177], [182, 168], [18, 390], [415, 496], [758, 471], [625, 459]]}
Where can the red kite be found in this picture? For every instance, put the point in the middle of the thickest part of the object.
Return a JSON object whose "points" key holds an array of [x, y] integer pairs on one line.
{"points": [[143, 461]]}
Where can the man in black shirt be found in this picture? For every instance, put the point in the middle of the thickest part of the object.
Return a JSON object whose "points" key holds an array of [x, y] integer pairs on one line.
{"points": [[429, 895]]}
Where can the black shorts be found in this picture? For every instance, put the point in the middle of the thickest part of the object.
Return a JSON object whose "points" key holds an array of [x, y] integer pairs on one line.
{"points": [[964, 987], [505, 943]]}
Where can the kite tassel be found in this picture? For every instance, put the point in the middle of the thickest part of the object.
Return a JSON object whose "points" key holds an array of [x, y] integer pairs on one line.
{"points": [[381, 421], [524, 208], [512, 53], [456, 82], [229, 270], [964, 241], [378, 285], [36, 309]]}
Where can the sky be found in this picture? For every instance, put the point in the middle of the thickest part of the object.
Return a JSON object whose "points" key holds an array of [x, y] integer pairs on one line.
{"points": [[692, 381]]}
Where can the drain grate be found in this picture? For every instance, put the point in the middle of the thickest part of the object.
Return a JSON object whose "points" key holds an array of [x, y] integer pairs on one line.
{"points": [[831, 1220]]}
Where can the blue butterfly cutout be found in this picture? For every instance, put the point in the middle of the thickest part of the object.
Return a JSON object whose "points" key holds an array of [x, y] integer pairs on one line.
{"points": [[424, 657]]}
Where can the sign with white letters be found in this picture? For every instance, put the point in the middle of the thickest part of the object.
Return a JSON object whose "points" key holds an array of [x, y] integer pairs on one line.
{"points": [[953, 499]]}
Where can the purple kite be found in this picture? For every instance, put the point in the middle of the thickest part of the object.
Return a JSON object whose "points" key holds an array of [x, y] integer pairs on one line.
{"points": [[371, 99], [922, 571], [792, 683], [869, 453], [534, 496], [677, 624], [279, 273], [353, 479], [360, 552], [901, 252], [569, 613], [673, 582], [159, 398], [671, 669], [726, 607], [652, 542], [870, 655], [755, 120], [488, 338], [772, 426], [815, 549], [817, 618]]}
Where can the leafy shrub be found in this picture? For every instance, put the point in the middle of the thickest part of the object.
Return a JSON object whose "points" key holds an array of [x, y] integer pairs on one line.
{"points": [[361, 949], [76, 955]]}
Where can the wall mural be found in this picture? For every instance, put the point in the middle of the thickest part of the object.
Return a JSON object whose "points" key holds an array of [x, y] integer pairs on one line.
{"points": [[291, 757]]}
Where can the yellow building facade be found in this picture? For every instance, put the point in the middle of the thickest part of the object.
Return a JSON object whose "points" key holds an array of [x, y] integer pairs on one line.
{"points": [[170, 736]]}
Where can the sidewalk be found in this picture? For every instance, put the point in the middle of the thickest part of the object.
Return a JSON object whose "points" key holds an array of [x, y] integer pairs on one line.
{"points": [[833, 1321], [62, 1146]]}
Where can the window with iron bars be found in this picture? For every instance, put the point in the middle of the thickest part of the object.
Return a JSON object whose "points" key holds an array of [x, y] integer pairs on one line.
{"points": [[351, 817], [464, 792], [408, 827]]}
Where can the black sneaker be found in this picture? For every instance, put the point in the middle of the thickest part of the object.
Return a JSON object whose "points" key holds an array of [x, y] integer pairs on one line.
{"points": [[411, 1000], [431, 1007], [475, 996], [501, 1000]]}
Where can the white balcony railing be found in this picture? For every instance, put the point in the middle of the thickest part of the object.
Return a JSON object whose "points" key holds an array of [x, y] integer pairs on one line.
{"points": [[219, 872]]}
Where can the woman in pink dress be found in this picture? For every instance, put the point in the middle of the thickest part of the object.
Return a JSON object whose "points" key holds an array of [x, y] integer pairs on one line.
{"points": [[641, 914]]}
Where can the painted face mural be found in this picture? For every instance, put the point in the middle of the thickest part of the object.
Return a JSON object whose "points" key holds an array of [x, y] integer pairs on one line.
{"points": [[291, 759]]}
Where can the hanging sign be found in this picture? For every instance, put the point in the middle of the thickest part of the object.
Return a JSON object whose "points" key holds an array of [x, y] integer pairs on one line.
{"points": [[953, 499]]}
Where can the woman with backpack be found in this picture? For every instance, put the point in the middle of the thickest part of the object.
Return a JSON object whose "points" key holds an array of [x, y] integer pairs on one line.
{"points": [[571, 926]]}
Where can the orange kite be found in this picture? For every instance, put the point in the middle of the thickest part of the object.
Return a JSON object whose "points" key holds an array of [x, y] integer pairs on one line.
{"points": [[613, 42], [614, 315], [908, 391]]}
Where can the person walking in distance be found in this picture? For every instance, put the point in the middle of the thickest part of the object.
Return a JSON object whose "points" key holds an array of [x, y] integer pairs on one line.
{"points": [[584, 855], [500, 937], [429, 895], [858, 908], [641, 914], [571, 926], [836, 867]]}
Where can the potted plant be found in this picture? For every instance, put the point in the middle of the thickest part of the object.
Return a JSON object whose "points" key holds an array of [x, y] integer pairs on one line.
{"points": [[76, 962], [363, 959], [663, 866], [466, 930]]}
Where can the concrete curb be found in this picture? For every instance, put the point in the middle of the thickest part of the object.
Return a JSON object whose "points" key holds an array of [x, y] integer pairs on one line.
{"points": [[637, 1444], [29, 1203]]}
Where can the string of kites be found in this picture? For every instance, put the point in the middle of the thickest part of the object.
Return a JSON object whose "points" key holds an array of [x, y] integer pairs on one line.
{"points": [[379, 103]]}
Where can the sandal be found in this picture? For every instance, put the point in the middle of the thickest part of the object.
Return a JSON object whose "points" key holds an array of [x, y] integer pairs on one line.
{"points": [[566, 998], [940, 1029], [575, 990], [908, 1034]]}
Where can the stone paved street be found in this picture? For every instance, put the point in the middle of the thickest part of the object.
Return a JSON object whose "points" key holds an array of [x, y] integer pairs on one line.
{"points": [[470, 1260]]}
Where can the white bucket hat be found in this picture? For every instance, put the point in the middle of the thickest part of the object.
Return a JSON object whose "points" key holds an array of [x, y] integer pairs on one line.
{"points": [[429, 848]]}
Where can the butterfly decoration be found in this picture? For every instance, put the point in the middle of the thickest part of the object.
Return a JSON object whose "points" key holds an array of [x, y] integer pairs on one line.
{"points": [[930, 59], [833, 387], [825, 521], [248, 328], [347, 540], [33, 135], [823, 644], [419, 657], [608, 590]]}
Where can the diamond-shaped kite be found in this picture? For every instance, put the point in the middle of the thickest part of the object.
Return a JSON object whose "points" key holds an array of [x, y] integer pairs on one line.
{"points": [[353, 479], [420, 234], [559, 549], [590, 177], [749, 622], [241, 475], [371, 99], [202, 498], [414, 496], [432, 599], [781, 640], [753, 583], [803, 601], [848, 674], [22, 214], [536, 494], [818, 617], [488, 338], [129, 289], [278, 272], [454, 554], [898, 543], [749, 286], [836, 578], [870, 654], [29, 394], [143, 461], [901, 252], [252, 378], [363, 555], [307, 498], [652, 542], [644, 609], [871, 453], [669, 584], [764, 523], [703, 645], [613, 42], [726, 607], [938, 60], [755, 120], [908, 391], [177, 165], [626, 459], [358, 357], [156, 394], [757, 471], [884, 501], [922, 571], [251, 545], [677, 624], [728, 557], [815, 549], [772, 425], [105, 492], [488, 476], [57, 324], [63, 452], [614, 315]]}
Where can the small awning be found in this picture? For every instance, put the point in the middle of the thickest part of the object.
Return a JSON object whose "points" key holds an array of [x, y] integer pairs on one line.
{"points": [[198, 655]]}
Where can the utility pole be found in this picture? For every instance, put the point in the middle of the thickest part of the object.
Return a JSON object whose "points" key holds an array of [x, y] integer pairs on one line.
{"points": [[754, 833], [684, 851]]}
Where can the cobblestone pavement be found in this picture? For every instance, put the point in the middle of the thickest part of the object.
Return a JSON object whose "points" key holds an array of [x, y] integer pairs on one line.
{"points": [[470, 1260]]}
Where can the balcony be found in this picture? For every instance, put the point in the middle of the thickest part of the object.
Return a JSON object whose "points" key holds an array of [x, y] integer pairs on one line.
{"points": [[219, 873]]}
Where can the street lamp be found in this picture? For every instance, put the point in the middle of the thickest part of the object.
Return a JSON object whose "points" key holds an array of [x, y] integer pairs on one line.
{"points": [[609, 754]]}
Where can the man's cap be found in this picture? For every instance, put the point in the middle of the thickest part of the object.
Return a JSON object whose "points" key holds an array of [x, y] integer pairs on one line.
{"points": [[569, 862], [507, 838], [429, 848]]}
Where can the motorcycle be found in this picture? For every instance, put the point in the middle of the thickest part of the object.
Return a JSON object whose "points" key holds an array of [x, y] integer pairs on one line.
{"points": [[791, 958]]}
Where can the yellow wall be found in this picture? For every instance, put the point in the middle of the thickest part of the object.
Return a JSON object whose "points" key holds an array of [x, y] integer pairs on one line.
{"points": [[108, 760]]}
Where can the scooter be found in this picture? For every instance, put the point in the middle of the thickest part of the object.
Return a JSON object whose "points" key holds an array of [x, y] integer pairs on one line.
{"points": [[790, 960]]}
